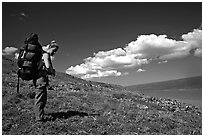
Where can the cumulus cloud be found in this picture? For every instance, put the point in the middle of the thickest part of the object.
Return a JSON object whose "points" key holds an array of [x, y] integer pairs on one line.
{"points": [[198, 52], [141, 70], [143, 50], [163, 48], [194, 39], [9, 51], [102, 74], [105, 64]]}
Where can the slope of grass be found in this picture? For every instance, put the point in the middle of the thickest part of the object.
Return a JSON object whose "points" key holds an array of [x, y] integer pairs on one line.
{"points": [[81, 107]]}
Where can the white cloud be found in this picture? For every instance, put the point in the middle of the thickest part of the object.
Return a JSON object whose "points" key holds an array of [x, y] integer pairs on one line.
{"points": [[161, 47], [105, 64], [102, 74], [9, 51], [194, 39], [162, 62], [141, 70], [22, 16], [143, 50], [198, 52], [151, 46]]}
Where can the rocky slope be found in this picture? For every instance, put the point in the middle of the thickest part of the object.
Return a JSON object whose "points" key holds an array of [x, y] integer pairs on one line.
{"points": [[80, 107]]}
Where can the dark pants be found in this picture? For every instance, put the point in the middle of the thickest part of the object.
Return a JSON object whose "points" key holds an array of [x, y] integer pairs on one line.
{"points": [[40, 97]]}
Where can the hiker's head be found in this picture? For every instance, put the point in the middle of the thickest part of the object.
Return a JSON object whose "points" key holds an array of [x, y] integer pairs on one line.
{"points": [[53, 50], [53, 46]]}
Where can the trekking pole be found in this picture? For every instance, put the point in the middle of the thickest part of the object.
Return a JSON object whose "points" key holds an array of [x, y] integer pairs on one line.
{"points": [[18, 85]]}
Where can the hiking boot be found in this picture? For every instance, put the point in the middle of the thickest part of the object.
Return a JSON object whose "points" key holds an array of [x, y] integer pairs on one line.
{"points": [[39, 121]]}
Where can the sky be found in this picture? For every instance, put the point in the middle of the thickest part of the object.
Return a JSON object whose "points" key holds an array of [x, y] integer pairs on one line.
{"points": [[124, 43]]}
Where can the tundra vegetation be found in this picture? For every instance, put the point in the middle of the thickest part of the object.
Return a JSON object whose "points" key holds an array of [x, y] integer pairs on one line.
{"points": [[79, 107]]}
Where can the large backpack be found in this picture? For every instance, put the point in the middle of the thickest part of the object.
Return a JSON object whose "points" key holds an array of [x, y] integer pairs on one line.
{"points": [[29, 58]]}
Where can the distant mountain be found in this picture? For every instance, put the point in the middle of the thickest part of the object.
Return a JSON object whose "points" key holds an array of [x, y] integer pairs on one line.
{"points": [[185, 83]]}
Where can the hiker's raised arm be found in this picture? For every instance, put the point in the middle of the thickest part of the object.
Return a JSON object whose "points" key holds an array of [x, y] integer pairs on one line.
{"points": [[48, 64], [47, 60]]}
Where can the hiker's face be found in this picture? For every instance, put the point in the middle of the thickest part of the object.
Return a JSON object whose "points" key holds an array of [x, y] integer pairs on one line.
{"points": [[53, 50]]}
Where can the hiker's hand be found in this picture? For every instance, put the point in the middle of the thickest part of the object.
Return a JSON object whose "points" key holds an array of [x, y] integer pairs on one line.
{"points": [[51, 71]]}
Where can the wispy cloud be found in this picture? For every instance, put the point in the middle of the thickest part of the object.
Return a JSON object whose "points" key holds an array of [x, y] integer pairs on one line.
{"points": [[143, 50], [126, 73], [22, 16]]}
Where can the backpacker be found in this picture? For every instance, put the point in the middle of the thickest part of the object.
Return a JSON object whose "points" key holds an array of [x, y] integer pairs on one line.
{"points": [[29, 57]]}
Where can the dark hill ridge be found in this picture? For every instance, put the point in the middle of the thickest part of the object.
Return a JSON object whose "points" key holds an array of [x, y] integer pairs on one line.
{"points": [[80, 107], [192, 82]]}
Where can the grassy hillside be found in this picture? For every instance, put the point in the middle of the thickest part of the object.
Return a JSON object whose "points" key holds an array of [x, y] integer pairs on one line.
{"points": [[82, 107], [186, 83]]}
